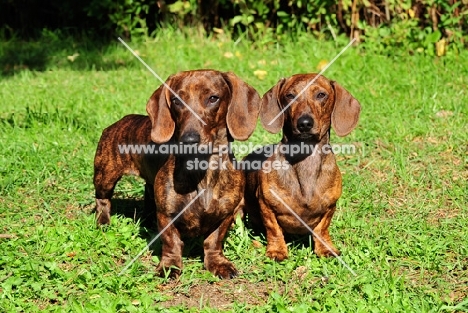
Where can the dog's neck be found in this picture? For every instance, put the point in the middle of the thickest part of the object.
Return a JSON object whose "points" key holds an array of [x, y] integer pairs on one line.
{"points": [[193, 170], [307, 167], [197, 171]]}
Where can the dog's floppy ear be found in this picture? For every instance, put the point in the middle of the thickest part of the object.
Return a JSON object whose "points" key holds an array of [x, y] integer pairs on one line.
{"points": [[243, 109], [345, 114], [162, 124], [271, 108]]}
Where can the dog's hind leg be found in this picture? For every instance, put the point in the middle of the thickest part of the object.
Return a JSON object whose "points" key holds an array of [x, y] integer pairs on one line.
{"points": [[105, 179]]}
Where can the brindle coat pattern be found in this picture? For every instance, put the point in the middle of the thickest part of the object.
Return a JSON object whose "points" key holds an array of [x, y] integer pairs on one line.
{"points": [[110, 165], [230, 108], [312, 184]]}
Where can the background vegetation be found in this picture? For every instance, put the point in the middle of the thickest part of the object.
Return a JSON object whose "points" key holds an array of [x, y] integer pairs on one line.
{"points": [[431, 26]]}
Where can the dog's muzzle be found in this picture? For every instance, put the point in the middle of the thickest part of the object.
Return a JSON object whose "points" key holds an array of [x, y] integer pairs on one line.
{"points": [[190, 137], [305, 124]]}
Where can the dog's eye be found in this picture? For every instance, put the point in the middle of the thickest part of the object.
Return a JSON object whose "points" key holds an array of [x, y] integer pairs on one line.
{"points": [[213, 100], [176, 101], [321, 95], [290, 96]]}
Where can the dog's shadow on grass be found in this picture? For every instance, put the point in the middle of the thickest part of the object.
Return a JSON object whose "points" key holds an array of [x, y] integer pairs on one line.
{"points": [[135, 209]]}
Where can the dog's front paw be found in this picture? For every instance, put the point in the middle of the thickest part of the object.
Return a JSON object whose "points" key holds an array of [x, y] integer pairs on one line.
{"points": [[168, 271], [220, 266], [323, 251], [323, 245], [225, 270], [277, 253]]}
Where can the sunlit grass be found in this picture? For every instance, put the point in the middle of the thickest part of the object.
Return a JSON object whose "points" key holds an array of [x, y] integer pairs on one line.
{"points": [[401, 223]]}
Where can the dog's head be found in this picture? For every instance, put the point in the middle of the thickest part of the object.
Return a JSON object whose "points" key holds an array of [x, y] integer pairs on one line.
{"points": [[202, 106], [309, 111]]}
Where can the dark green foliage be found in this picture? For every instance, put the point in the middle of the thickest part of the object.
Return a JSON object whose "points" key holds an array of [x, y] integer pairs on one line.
{"points": [[430, 26]]}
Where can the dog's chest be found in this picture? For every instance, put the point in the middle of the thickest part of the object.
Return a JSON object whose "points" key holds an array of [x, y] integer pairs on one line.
{"points": [[309, 188], [217, 196], [307, 181]]}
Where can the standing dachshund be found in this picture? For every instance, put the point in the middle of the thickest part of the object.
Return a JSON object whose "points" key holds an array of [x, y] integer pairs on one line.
{"points": [[202, 107], [110, 163], [311, 185]]}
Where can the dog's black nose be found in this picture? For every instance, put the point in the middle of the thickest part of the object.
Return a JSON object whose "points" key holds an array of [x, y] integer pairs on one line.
{"points": [[305, 123], [190, 138]]}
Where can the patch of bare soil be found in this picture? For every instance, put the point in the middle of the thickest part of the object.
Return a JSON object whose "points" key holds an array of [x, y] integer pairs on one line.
{"points": [[220, 295], [223, 294]]}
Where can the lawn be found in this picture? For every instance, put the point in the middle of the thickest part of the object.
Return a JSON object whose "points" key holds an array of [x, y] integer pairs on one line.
{"points": [[401, 223]]}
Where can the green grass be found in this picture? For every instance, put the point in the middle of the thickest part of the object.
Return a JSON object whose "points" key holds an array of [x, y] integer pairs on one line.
{"points": [[401, 224]]}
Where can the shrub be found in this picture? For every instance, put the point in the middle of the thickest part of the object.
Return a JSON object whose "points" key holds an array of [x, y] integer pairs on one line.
{"points": [[431, 26]]}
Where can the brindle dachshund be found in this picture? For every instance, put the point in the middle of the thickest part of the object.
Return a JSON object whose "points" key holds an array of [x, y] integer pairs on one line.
{"points": [[311, 185], [229, 107]]}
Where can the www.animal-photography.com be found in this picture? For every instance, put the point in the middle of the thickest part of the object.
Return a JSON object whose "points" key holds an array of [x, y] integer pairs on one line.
{"points": [[239, 156]]}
